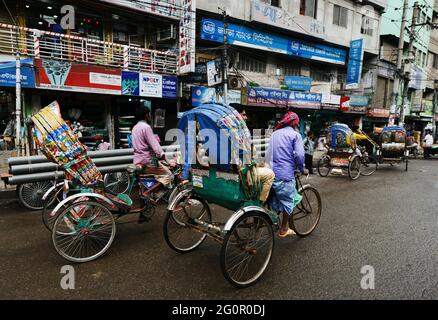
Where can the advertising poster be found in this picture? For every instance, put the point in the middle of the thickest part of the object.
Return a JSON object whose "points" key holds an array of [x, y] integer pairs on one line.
{"points": [[8, 72], [214, 72], [63, 75], [202, 95], [151, 85], [355, 60], [187, 37]]}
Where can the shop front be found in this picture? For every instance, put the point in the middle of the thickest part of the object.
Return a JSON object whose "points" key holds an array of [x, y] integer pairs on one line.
{"points": [[375, 117]]}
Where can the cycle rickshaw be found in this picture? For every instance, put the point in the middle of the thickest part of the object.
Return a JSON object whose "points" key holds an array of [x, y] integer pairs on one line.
{"points": [[84, 223], [230, 181], [341, 146], [393, 148]]}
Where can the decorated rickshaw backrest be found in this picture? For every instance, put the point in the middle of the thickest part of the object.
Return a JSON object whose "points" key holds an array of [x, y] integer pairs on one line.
{"points": [[393, 134], [60, 145], [340, 137]]}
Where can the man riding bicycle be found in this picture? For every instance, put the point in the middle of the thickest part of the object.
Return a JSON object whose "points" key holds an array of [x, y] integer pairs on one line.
{"points": [[285, 154]]}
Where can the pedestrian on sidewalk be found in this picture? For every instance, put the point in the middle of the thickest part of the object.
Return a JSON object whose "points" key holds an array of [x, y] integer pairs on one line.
{"points": [[309, 147]]}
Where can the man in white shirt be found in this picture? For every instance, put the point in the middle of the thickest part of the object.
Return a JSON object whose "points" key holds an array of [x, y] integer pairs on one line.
{"points": [[428, 139]]}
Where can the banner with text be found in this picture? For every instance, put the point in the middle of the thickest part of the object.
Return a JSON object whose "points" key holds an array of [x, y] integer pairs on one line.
{"points": [[282, 98]]}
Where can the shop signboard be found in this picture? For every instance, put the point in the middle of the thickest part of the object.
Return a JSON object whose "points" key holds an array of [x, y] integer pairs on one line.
{"points": [[8, 72], [280, 18], [67, 76], [170, 86], [202, 95], [378, 113], [187, 37], [345, 104], [149, 85], [165, 8], [258, 96], [359, 101], [354, 68], [298, 83], [330, 101], [239, 35]]}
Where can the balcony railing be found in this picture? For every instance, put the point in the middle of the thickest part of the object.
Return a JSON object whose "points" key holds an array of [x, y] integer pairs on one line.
{"points": [[51, 45]]}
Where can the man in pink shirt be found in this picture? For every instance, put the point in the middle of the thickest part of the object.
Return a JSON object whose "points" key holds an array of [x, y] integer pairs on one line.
{"points": [[146, 145]]}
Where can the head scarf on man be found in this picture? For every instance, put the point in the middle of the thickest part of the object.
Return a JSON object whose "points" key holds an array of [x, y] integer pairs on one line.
{"points": [[290, 119]]}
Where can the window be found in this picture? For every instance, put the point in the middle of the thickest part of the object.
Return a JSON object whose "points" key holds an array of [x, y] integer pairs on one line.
{"points": [[319, 74], [367, 25], [340, 16], [308, 8], [435, 60], [252, 65], [289, 69], [274, 3]]}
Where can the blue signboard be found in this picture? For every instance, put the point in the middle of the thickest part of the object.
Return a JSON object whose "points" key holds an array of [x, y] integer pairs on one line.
{"points": [[247, 37], [354, 69], [258, 96], [169, 87], [202, 95], [8, 73], [298, 83]]}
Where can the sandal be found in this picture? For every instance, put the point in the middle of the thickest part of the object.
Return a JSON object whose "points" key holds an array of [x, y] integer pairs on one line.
{"points": [[289, 232]]}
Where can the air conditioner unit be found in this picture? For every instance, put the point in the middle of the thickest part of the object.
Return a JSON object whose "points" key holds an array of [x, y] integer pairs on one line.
{"points": [[166, 34], [234, 82]]}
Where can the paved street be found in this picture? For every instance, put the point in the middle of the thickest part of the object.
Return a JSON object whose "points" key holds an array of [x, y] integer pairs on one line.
{"points": [[388, 221]]}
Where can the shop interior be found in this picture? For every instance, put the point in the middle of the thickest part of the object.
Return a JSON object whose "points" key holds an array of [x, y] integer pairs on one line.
{"points": [[85, 113]]}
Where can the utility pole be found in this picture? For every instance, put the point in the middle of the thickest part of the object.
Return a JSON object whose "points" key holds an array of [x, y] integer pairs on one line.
{"points": [[397, 74], [407, 78], [225, 57]]}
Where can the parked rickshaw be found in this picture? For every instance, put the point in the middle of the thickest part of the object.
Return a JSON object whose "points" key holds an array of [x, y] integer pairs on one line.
{"points": [[84, 223], [341, 152], [393, 148], [228, 179]]}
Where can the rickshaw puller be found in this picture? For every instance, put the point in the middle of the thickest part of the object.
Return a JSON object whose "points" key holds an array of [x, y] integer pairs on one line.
{"points": [[285, 154]]}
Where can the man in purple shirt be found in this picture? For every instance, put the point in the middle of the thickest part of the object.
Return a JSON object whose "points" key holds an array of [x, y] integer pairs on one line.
{"points": [[285, 154]]}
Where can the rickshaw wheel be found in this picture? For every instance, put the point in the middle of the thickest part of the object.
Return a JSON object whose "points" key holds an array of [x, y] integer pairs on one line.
{"points": [[83, 231], [116, 182], [178, 234], [247, 249], [301, 220], [369, 166], [354, 168], [324, 166], [53, 199], [30, 194]]}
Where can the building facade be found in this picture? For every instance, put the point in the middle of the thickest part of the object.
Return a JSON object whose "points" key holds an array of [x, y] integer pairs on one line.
{"points": [[293, 54], [98, 59]]}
